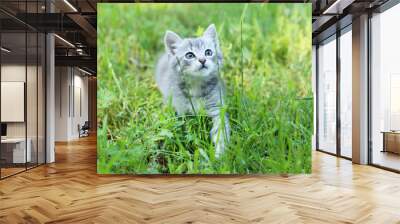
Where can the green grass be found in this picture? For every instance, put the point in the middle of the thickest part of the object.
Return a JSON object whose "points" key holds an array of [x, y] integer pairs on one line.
{"points": [[267, 70]]}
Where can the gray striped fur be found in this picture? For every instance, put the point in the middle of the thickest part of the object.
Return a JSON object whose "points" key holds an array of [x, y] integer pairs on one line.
{"points": [[192, 85]]}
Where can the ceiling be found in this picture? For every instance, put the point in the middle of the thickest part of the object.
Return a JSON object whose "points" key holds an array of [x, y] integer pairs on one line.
{"points": [[73, 21], [332, 15]]}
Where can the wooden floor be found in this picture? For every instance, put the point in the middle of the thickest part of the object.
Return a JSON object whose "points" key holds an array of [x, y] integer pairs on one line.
{"points": [[10, 171], [70, 191], [386, 159]]}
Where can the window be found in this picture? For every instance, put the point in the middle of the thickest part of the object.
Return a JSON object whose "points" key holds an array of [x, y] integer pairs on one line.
{"points": [[327, 96], [346, 92], [314, 89], [22, 77], [385, 89]]}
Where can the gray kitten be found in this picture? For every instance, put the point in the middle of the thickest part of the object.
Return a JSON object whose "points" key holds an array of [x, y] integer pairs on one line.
{"points": [[188, 74]]}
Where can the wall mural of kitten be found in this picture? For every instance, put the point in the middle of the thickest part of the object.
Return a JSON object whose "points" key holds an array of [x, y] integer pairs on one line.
{"points": [[179, 95], [188, 75]]}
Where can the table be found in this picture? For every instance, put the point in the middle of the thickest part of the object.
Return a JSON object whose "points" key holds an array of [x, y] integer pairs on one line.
{"points": [[391, 141], [13, 150]]}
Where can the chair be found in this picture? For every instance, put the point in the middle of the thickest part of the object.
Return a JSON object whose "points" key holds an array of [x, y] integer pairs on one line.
{"points": [[84, 130]]}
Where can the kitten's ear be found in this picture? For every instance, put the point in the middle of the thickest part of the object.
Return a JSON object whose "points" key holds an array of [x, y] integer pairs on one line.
{"points": [[211, 32], [171, 41]]}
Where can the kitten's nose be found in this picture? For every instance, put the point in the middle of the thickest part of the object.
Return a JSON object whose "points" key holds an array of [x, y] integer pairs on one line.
{"points": [[202, 60]]}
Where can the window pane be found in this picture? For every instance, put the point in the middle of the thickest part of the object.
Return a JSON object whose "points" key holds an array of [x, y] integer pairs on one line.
{"points": [[346, 93], [41, 98], [31, 97], [15, 151], [327, 97], [386, 89]]}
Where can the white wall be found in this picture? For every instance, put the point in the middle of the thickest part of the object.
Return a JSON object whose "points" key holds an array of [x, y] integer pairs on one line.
{"points": [[62, 81], [70, 83], [33, 127], [12, 73], [80, 88]]}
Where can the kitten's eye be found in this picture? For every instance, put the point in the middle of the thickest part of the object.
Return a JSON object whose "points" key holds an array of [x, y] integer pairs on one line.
{"points": [[208, 52], [189, 55]]}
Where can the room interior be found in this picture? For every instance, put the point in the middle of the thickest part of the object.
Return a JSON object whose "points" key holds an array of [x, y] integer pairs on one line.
{"points": [[22, 101], [385, 90], [335, 81], [27, 65]]}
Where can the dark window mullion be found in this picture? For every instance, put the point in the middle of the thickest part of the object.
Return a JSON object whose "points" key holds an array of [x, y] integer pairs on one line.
{"points": [[369, 89], [37, 90], [26, 86], [338, 76], [0, 95], [316, 97], [46, 3]]}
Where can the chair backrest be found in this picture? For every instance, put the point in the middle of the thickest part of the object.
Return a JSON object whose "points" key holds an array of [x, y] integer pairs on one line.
{"points": [[86, 125]]}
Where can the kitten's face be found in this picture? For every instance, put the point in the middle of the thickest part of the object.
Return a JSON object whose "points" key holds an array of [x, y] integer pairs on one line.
{"points": [[197, 57], [200, 57]]}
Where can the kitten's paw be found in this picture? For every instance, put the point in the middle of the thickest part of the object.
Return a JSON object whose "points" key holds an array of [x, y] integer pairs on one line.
{"points": [[219, 149]]}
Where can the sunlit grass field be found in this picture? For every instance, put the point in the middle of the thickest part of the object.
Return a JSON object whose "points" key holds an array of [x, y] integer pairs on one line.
{"points": [[267, 71]]}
